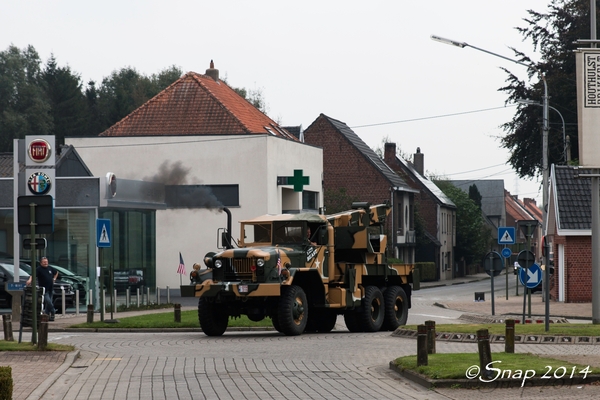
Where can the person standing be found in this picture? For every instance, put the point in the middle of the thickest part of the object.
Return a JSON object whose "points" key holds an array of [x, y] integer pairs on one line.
{"points": [[46, 276]]}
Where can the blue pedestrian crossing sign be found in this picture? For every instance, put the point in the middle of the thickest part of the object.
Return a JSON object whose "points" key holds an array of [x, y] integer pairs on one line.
{"points": [[506, 235], [102, 232], [530, 277]]}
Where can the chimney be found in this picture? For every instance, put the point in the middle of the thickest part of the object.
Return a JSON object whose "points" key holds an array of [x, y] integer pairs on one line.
{"points": [[419, 162], [389, 153], [212, 72], [529, 202]]}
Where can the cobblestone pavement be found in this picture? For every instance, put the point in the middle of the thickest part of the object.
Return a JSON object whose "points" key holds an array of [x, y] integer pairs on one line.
{"points": [[30, 369], [267, 365]]}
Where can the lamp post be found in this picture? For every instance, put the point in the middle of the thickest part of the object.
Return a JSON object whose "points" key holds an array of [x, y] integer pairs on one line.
{"points": [[535, 103], [544, 146], [545, 118]]}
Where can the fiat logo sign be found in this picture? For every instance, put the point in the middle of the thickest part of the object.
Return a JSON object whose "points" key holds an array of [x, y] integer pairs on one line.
{"points": [[39, 150]]}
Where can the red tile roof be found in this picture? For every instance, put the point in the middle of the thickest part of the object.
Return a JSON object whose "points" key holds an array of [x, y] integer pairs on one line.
{"points": [[196, 104], [516, 209]]}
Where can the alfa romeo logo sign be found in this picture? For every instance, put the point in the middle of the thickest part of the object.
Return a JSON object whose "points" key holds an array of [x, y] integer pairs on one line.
{"points": [[39, 183], [39, 150]]}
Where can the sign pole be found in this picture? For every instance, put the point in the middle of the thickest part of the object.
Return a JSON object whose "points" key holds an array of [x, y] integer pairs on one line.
{"points": [[492, 280], [506, 266], [34, 309]]}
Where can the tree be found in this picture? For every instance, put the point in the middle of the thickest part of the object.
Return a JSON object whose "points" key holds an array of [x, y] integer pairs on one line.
{"points": [[126, 90], [475, 195], [337, 200], [254, 97], [553, 34], [472, 236], [24, 106], [68, 109]]}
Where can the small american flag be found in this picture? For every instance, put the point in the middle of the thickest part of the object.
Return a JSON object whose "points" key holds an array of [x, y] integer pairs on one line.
{"points": [[181, 268], [278, 263]]}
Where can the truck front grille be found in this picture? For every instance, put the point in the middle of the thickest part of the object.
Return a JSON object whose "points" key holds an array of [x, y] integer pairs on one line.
{"points": [[239, 269]]}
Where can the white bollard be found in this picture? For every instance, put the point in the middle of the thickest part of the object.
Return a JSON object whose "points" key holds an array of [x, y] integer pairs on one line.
{"points": [[115, 302], [77, 302], [64, 301], [138, 296], [157, 296]]}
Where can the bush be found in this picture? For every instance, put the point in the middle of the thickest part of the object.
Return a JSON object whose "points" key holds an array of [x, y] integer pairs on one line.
{"points": [[6, 383], [427, 271]]}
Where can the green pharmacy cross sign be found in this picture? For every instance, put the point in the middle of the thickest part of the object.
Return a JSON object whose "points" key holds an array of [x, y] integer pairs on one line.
{"points": [[297, 180]]}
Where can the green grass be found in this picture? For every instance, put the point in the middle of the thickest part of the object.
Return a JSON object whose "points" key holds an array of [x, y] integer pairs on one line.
{"points": [[520, 329], [189, 319], [456, 365], [23, 346]]}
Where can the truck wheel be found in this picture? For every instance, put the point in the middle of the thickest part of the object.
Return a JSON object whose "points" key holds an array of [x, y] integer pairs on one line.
{"points": [[351, 320], [275, 321], [213, 319], [371, 312], [396, 308], [293, 310]]}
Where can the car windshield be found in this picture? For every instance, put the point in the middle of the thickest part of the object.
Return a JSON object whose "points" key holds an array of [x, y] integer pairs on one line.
{"points": [[62, 271], [10, 269]]}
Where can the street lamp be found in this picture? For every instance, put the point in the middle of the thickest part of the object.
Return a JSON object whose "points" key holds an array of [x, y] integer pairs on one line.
{"points": [[535, 103], [545, 118], [544, 152]]}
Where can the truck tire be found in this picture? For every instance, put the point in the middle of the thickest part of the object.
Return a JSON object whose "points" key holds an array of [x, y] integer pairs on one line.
{"points": [[396, 308], [351, 320], [275, 321], [213, 319], [371, 312], [293, 310]]}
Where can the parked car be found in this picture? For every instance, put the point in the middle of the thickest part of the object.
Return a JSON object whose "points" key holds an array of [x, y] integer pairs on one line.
{"points": [[59, 285], [6, 275], [79, 283], [136, 278]]}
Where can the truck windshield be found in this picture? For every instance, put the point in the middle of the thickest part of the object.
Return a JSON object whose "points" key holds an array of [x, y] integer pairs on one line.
{"points": [[288, 232], [257, 233]]}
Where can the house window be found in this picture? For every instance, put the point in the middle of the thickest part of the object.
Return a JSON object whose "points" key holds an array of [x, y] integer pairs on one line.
{"points": [[310, 200], [202, 196], [400, 228]]}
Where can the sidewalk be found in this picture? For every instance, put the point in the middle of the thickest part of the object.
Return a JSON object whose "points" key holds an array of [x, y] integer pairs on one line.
{"points": [[514, 305]]}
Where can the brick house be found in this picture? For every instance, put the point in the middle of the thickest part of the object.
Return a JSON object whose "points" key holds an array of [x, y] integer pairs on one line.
{"points": [[436, 210], [569, 235], [351, 165], [525, 211]]}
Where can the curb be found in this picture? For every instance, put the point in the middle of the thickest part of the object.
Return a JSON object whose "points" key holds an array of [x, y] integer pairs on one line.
{"points": [[502, 383], [44, 386]]}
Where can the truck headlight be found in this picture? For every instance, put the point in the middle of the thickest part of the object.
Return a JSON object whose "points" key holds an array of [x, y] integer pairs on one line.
{"points": [[260, 262], [218, 264]]}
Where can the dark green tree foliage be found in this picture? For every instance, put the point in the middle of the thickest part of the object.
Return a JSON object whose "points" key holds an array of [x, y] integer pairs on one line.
{"points": [[472, 237], [553, 34], [125, 90], [475, 195], [68, 107], [24, 106], [337, 200]]}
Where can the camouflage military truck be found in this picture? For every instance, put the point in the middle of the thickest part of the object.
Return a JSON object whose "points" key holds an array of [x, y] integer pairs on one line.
{"points": [[302, 271]]}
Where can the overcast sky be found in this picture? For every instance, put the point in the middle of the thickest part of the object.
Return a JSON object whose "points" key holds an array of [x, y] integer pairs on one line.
{"points": [[371, 64]]}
